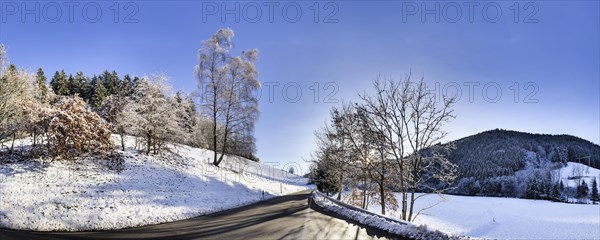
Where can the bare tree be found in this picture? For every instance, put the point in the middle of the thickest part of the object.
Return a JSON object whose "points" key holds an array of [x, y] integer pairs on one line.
{"points": [[352, 124], [423, 128], [386, 110], [408, 120], [228, 85]]}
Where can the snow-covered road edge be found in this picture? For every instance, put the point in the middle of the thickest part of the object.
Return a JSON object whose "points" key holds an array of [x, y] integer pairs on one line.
{"points": [[401, 228]]}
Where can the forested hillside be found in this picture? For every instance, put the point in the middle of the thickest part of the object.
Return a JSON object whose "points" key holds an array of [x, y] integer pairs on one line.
{"points": [[503, 163]]}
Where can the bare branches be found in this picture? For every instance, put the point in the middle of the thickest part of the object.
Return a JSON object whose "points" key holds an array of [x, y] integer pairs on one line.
{"points": [[393, 134], [228, 84]]}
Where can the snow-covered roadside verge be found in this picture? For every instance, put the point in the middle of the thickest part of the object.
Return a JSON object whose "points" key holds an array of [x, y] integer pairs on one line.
{"points": [[401, 228], [92, 194]]}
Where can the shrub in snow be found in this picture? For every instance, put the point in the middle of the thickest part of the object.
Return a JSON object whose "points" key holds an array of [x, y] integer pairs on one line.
{"points": [[76, 129]]}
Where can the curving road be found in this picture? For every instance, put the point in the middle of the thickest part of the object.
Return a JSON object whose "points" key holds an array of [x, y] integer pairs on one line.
{"points": [[286, 217]]}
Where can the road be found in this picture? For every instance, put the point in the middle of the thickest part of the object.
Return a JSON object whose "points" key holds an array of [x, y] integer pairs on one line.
{"points": [[286, 217]]}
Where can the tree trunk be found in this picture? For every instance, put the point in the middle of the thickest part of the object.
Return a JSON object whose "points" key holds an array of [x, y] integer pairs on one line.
{"points": [[12, 144], [219, 160], [155, 146], [404, 203], [382, 195], [34, 136], [364, 202], [341, 187], [122, 142], [223, 151], [215, 128], [47, 139], [412, 204], [148, 143], [215, 143]]}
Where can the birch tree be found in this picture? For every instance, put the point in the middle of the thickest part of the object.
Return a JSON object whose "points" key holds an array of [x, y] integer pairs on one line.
{"points": [[228, 85]]}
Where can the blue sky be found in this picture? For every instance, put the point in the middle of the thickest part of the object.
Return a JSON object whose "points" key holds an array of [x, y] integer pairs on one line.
{"points": [[551, 54]]}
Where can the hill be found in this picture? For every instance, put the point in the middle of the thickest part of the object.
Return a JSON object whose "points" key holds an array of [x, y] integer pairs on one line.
{"points": [[503, 162]]}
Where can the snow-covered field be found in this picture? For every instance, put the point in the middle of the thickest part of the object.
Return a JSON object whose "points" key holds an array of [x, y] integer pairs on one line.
{"points": [[87, 194], [400, 227], [511, 218]]}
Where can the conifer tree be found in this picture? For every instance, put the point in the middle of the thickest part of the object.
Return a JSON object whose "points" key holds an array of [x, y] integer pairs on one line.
{"points": [[54, 81], [111, 82], [100, 93], [555, 193], [582, 190], [40, 81], [595, 195], [63, 84], [76, 84], [126, 86], [87, 89]]}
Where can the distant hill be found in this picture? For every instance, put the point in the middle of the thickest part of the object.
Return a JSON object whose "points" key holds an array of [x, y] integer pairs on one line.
{"points": [[503, 152], [501, 162]]}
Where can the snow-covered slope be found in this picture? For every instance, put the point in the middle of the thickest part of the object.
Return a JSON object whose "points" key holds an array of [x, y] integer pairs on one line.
{"points": [[507, 218], [90, 194], [573, 173]]}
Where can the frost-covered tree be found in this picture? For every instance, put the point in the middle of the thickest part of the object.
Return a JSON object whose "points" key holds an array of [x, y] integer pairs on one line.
{"points": [[150, 113], [16, 87], [112, 111], [202, 132], [36, 120], [185, 114], [228, 85]]}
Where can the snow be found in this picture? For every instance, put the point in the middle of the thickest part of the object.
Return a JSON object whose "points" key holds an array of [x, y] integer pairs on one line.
{"points": [[507, 218], [575, 172], [398, 227], [91, 195]]}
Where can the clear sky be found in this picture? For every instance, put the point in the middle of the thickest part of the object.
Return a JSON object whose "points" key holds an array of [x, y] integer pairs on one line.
{"points": [[548, 50]]}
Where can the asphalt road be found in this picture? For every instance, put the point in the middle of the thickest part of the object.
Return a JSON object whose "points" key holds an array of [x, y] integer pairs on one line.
{"points": [[286, 217]]}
